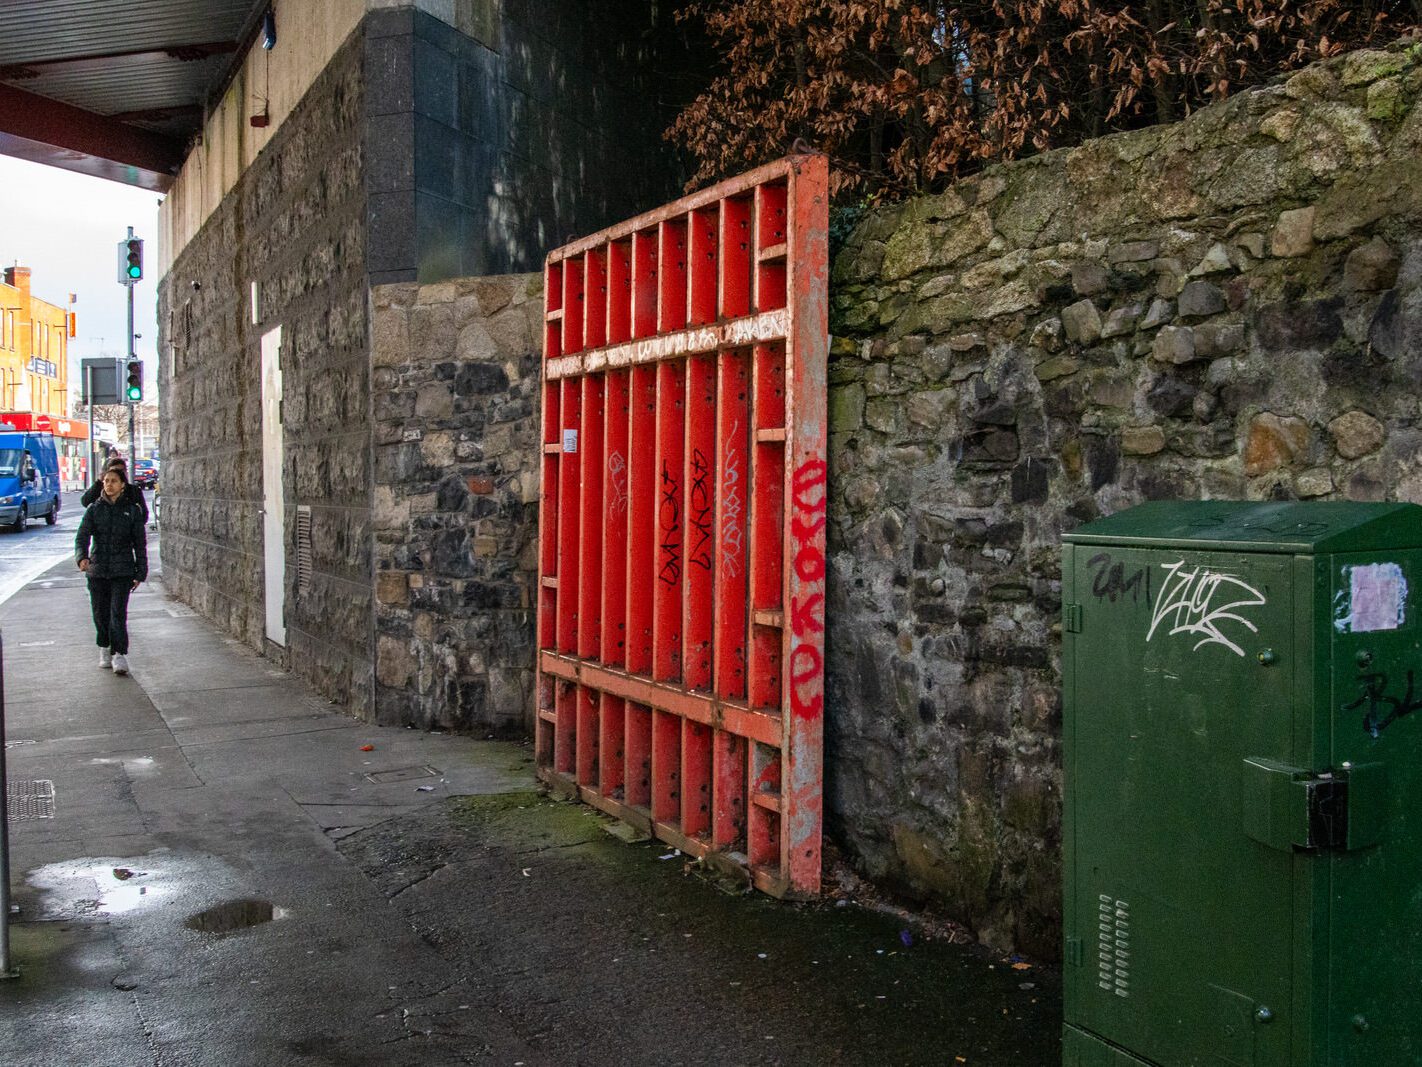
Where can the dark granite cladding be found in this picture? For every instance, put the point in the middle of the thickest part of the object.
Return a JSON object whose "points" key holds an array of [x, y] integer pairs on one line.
{"points": [[526, 126], [294, 224]]}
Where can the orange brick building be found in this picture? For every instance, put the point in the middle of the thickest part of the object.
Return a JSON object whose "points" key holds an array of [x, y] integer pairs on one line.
{"points": [[34, 349], [34, 368]]}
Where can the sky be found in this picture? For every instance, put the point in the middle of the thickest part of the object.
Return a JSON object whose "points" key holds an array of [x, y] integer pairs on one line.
{"points": [[66, 228]]}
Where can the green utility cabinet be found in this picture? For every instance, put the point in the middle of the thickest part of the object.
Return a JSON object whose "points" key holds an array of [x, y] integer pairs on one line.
{"points": [[1243, 786]]}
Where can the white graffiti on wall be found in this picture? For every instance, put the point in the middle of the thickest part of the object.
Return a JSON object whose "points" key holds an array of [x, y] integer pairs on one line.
{"points": [[1198, 602], [617, 484]]}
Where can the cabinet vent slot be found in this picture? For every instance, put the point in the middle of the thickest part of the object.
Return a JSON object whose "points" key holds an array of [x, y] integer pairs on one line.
{"points": [[303, 549]]}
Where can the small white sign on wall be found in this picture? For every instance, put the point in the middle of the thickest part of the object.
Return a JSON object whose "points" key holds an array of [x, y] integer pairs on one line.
{"points": [[570, 440]]}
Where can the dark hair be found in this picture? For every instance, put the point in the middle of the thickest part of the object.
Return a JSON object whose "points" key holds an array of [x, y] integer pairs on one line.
{"points": [[116, 467]]}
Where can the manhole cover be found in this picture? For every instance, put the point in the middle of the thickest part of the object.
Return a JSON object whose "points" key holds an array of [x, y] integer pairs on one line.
{"points": [[233, 916], [29, 800], [403, 774]]}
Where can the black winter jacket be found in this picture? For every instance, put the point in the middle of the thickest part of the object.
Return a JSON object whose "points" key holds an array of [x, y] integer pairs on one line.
{"points": [[131, 493], [119, 535]]}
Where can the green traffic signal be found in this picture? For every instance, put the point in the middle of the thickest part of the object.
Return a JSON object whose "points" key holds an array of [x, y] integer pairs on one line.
{"points": [[135, 393], [130, 260]]}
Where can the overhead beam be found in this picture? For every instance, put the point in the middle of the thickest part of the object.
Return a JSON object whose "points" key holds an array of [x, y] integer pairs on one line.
{"points": [[186, 52], [158, 114], [46, 131]]}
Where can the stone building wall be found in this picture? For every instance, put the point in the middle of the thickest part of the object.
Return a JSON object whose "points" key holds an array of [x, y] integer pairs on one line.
{"points": [[295, 226], [456, 376], [432, 146], [1229, 307]]}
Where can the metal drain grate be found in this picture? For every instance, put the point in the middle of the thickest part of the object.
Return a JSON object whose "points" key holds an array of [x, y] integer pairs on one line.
{"points": [[30, 800]]}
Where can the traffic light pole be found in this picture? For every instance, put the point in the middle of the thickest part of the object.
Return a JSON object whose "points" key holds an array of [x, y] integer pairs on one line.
{"points": [[92, 473], [132, 451]]}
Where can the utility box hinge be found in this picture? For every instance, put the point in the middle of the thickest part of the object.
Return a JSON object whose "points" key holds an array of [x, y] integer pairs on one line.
{"points": [[1071, 618], [1072, 952]]}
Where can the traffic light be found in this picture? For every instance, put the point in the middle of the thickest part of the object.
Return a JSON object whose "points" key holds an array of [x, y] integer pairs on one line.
{"points": [[130, 260], [133, 390]]}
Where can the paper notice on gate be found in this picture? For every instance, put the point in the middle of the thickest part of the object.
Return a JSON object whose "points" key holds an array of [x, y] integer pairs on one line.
{"points": [[1377, 598], [570, 440]]}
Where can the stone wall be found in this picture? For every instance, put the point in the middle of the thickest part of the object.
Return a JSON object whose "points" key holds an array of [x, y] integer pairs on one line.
{"points": [[1228, 307], [295, 226], [456, 375]]}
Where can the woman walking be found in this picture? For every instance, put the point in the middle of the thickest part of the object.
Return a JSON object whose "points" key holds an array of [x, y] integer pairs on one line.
{"points": [[119, 562], [131, 492]]}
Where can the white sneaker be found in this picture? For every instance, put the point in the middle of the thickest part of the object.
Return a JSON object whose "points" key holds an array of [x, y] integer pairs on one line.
{"points": [[120, 663], [106, 659]]}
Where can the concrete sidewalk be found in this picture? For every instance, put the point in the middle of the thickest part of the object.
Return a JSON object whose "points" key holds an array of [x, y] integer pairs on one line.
{"points": [[229, 879]]}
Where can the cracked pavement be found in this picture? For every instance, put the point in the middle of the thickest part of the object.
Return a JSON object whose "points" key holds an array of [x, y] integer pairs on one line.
{"points": [[477, 922]]}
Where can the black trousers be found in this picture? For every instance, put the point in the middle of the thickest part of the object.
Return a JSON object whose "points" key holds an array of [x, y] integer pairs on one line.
{"points": [[109, 599]]}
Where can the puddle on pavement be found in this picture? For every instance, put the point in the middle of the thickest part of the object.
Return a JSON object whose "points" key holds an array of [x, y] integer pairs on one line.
{"points": [[234, 916], [134, 766], [99, 886]]}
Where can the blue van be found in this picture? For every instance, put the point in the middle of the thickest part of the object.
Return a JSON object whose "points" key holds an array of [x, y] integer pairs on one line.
{"points": [[29, 478]]}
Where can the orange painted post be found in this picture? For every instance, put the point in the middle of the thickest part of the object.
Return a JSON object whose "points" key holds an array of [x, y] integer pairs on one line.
{"points": [[612, 746], [573, 275], [595, 288], [614, 496], [588, 736], [682, 561], [671, 523], [732, 517], [641, 519], [639, 757], [644, 283], [570, 428], [806, 490], [666, 768], [699, 482], [619, 292], [728, 756], [695, 779], [591, 520]]}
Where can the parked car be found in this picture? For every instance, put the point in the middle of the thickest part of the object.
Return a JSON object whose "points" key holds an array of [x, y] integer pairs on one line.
{"points": [[145, 473], [29, 479]]}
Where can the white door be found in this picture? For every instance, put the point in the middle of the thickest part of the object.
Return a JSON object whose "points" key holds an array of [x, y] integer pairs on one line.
{"points": [[273, 502]]}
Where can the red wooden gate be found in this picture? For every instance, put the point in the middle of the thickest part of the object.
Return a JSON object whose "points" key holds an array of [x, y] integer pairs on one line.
{"points": [[682, 551]]}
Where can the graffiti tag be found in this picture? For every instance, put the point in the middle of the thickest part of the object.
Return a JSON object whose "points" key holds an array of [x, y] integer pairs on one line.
{"points": [[732, 507], [617, 482], [700, 509], [669, 521], [1110, 581], [1198, 602], [807, 523], [1383, 708]]}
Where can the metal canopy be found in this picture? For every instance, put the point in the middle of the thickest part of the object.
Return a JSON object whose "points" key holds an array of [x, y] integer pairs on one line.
{"points": [[115, 88]]}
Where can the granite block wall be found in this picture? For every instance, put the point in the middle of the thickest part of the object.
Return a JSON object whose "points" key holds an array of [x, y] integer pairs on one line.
{"points": [[294, 226], [513, 130], [1229, 307], [456, 378]]}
